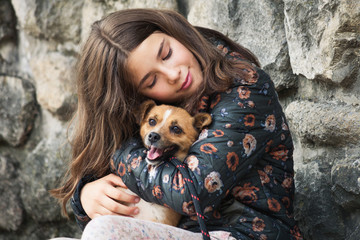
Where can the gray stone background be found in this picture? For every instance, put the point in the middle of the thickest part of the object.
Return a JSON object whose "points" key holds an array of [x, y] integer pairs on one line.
{"points": [[311, 48]]}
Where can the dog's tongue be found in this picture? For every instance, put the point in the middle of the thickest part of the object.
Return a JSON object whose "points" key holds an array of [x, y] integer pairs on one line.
{"points": [[154, 153]]}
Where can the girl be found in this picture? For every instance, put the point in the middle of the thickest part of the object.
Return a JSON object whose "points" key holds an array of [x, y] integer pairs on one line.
{"points": [[242, 166]]}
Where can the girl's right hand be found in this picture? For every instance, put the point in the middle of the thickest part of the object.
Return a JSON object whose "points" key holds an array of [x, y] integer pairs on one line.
{"points": [[102, 197]]}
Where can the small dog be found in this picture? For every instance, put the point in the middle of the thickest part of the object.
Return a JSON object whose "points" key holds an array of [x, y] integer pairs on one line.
{"points": [[166, 131]]}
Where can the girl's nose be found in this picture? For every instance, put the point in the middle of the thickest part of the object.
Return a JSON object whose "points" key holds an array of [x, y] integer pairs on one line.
{"points": [[173, 75]]}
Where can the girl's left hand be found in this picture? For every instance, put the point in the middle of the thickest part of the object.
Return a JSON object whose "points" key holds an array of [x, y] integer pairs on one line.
{"points": [[103, 197]]}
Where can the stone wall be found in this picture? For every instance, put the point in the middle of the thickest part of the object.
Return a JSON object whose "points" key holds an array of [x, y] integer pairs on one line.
{"points": [[310, 48]]}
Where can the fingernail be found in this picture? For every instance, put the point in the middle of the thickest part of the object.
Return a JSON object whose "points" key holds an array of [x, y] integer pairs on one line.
{"points": [[136, 211], [137, 199]]}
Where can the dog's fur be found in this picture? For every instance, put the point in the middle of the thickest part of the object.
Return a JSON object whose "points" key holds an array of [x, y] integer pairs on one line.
{"points": [[166, 131]]}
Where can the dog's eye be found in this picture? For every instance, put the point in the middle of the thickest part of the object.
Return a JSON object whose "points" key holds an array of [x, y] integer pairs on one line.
{"points": [[152, 122], [176, 129]]}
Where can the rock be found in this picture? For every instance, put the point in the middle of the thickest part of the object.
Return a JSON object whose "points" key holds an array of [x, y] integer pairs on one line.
{"points": [[91, 12], [199, 12], [59, 21], [7, 167], [54, 76], [313, 200], [279, 71], [47, 164], [17, 110], [323, 39], [7, 21], [67, 229], [8, 38], [354, 235], [346, 185], [11, 212], [324, 123]]}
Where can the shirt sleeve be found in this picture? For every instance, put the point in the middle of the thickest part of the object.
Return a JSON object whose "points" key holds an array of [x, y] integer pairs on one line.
{"points": [[244, 119], [81, 217]]}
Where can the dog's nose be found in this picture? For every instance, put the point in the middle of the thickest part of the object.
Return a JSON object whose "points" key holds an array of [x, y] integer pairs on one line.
{"points": [[153, 137]]}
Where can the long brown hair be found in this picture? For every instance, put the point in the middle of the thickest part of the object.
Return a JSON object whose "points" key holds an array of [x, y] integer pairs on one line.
{"points": [[106, 95]]}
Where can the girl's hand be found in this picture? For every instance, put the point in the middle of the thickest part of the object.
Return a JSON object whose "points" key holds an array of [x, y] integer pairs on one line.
{"points": [[102, 197]]}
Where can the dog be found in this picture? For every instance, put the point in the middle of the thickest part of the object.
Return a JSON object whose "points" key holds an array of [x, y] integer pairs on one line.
{"points": [[166, 131]]}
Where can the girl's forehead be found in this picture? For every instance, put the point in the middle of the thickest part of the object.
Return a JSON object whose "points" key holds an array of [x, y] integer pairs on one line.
{"points": [[150, 44]]}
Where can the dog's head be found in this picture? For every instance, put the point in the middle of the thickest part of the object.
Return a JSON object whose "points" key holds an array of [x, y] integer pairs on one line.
{"points": [[168, 131]]}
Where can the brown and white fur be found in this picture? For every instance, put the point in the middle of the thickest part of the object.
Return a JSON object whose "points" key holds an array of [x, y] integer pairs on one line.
{"points": [[166, 131]]}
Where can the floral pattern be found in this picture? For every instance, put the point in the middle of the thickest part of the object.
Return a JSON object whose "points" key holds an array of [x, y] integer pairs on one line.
{"points": [[274, 205], [258, 225], [244, 92], [270, 123], [203, 103], [246, 194], [157, 192], [135, 162], [249, 143], [280, 153], [178, 183], [213, 182], [208, 148], [193, 163], [263, 177], [232, 161], [189, 208], [215, 101], [218, 133], [249, 120], [121, 169]]}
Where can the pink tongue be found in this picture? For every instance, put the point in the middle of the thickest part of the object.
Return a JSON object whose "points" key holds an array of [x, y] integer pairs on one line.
{"points": [[154, 153]]}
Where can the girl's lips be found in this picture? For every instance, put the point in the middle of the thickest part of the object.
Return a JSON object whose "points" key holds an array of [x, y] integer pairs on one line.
{"points": [[187, 81]]}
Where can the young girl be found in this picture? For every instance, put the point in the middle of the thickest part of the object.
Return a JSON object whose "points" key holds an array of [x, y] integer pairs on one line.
{"points": [[241, 166]]}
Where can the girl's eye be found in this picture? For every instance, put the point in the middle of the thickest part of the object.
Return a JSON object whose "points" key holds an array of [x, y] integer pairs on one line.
{"points": [[176, 129], [153, 83], [155, 78], [168, 55], [152, 122]]}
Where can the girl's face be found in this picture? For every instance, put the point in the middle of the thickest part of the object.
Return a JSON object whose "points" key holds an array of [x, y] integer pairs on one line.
{"points": [[164, 69]]}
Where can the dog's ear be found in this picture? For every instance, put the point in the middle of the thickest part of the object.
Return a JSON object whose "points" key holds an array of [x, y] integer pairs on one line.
{"points": [[202, 120], [143, 110]]}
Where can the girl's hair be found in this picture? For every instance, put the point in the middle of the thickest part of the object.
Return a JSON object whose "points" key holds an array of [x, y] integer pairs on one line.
{"points": [[107, 97]]}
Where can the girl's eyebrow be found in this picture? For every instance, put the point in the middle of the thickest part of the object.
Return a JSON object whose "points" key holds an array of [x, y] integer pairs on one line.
{"points": [[157, 56], [160, 48]]}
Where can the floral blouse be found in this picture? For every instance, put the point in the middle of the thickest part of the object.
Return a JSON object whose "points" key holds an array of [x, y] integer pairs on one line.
{"points": [[241, 165]]}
